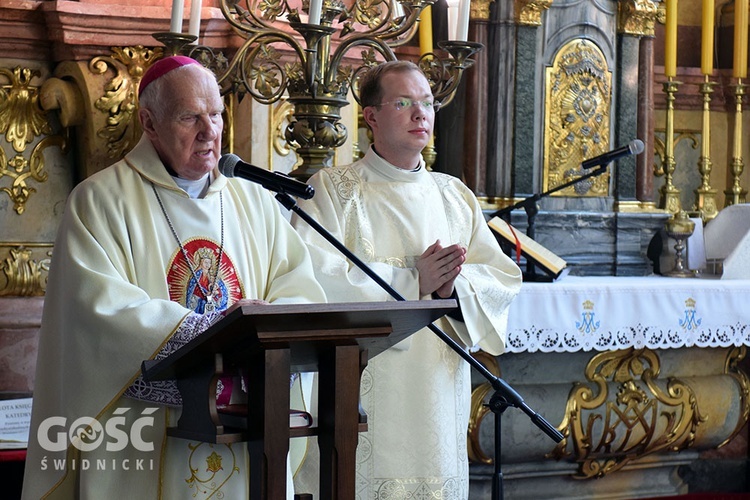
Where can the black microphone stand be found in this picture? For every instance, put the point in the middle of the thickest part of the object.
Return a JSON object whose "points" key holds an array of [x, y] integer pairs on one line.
{"points": [[530, 206], [504, 396]]}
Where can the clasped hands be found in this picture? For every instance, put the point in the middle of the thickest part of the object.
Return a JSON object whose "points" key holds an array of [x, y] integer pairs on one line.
{"points": [[438, 269]]}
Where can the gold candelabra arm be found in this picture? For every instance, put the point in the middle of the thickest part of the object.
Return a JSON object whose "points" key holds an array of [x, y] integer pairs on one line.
{"points": [[174, 43], [444, 75]]}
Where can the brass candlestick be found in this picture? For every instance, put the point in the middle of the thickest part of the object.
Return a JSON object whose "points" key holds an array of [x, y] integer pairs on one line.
{"points": [[670, 195], [174, 43], [736, 194], [705, 195]]}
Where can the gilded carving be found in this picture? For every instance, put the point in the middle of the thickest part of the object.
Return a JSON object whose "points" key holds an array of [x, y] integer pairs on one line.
{"points": [[529, 12], [25, 274], [577, 117], [636, 17], [732, 368], [22, 121], [120, 99], [480, 10], [479, 410], [625, 412]]}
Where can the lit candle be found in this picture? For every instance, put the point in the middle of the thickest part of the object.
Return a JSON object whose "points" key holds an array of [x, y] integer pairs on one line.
{"points": [[398, 10], [670, 40], [707, 38], [194, 28], [316, 7], [462, 31], [176, 22], [425, 31], [452, 19], [739, 69]]}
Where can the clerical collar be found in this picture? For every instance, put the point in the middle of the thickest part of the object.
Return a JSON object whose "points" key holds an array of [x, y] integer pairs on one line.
{"points": [[417, 169], [194, 189]]}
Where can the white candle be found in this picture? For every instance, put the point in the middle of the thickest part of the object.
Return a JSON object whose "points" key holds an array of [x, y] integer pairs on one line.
{"points": [[452, 19], [316, 6], [177, 10], [462, 28], [398, 10], [194, 28]]}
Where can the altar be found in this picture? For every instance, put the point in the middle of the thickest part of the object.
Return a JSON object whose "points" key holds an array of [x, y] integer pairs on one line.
{"points": [[640, 374]]}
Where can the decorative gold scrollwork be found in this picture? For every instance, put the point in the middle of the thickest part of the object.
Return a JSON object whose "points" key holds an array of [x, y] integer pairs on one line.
{"points": [[627, 414], [529, 12], [120, 99], [22, 121], [637, 17], [479, 410], [732, 368], [24, 275]]}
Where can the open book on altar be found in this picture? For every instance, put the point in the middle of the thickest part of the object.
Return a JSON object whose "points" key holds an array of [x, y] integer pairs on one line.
{"points": [[532, 251]]}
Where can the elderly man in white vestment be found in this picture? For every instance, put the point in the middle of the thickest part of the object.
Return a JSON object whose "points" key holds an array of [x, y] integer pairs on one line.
{"points": [[424, 233], [150, 252]]}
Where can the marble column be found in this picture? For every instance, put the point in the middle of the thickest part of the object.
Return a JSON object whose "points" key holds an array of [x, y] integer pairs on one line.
{"points": [[626, 115], [524, 136], [644, 182], [501, 100], [475, 131]]}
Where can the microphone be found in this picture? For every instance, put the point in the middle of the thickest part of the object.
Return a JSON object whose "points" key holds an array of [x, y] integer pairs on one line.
{"points": [[635, 147], [232, 166]]}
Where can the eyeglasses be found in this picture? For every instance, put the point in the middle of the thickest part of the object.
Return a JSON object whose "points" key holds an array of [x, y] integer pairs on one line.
{"points": [[405, 103]]}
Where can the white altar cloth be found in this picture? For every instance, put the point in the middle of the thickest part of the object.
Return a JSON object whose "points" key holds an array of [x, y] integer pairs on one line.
{"points": [[604, 313]]}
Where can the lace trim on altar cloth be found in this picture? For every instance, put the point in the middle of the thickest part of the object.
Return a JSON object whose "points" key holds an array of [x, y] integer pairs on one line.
{"points": [[533, 339], [165, 392]]}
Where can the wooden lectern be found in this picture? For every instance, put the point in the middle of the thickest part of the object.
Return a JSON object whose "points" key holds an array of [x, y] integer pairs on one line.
{"points": [[271, 342]]}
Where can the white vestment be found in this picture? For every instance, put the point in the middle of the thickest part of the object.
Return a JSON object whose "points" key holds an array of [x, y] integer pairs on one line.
{"points": [[119, 288], [416, 394]]}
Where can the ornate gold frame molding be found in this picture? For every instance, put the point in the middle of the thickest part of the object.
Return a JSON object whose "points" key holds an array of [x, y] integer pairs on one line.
{"points": [[24, 267], [22, 123]]}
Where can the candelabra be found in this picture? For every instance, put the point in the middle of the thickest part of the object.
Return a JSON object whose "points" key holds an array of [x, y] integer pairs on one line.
{"points": [[736, 194], [282, 55], [705, 195], [670, 195]]}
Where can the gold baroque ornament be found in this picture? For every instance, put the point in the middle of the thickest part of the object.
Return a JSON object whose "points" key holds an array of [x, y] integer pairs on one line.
{"points": [[24, 275], [733, 369], [577, 114], [627, 414], [120, 100], [479, 409], [22, 121], [480, 10], [529, 12], [637, 17]]}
